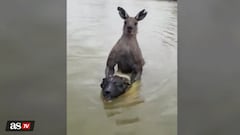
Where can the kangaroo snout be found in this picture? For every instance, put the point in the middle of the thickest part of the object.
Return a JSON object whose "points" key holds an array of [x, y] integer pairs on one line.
{"points": [[129, 27]]}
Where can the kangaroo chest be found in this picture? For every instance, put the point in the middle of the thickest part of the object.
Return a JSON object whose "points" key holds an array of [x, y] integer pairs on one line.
{"points": [[128, 57], [128, 52]]}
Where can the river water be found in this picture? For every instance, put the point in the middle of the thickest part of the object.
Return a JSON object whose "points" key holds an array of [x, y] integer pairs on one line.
{"points": [[150, 108]]}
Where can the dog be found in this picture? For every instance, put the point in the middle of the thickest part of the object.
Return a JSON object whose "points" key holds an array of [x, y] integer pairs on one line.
{"points": [[114, 86]]}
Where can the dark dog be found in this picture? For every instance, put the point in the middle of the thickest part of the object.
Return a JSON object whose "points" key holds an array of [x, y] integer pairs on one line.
{"points": [[114, 86]]}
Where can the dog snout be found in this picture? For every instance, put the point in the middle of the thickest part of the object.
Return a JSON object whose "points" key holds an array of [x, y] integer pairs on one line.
{"points": [[107, 93]]}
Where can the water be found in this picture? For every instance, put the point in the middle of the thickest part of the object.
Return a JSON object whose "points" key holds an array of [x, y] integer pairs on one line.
{"points": [[150, 107]]}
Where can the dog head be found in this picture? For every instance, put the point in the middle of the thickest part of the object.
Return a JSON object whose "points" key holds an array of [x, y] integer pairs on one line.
{"points": [[114, 86]]}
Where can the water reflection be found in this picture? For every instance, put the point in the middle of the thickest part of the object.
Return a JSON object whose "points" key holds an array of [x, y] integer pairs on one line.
{"points": [[124, 104]]}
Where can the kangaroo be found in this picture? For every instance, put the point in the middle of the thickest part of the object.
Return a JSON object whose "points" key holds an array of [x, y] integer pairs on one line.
{"points": [[126, 53]]}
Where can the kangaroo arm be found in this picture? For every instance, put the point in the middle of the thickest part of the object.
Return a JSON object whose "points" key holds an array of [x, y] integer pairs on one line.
{"points": [[109, 70], [136, 75]]}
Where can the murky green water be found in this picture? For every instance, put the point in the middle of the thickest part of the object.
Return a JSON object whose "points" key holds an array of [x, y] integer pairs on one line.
{"points": [[93, 27]]}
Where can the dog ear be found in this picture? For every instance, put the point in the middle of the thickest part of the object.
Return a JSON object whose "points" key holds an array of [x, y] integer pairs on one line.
{"points": [[103, 83], [126, 81]]}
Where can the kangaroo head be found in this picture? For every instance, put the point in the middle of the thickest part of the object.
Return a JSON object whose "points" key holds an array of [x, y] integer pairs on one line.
{"points": [[130, 23]]}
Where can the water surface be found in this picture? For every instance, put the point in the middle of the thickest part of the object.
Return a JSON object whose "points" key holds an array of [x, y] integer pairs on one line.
{"points": [[93, 27]]}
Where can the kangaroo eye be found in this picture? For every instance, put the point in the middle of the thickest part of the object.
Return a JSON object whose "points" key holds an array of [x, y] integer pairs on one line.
{"points": [[125, 22], [135, 23]]}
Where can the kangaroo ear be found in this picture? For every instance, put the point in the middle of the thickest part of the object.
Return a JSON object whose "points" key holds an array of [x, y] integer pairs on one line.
{"points": [[141, 15], [123, 14]]}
